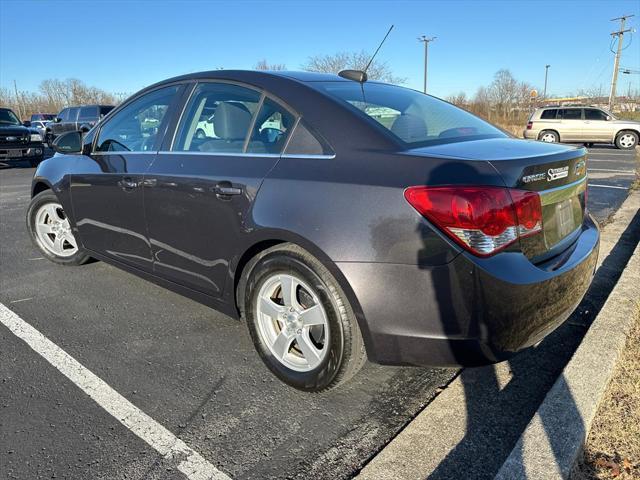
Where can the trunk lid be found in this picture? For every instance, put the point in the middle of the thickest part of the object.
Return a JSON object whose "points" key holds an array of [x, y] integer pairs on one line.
{"points": [[557, 172]]}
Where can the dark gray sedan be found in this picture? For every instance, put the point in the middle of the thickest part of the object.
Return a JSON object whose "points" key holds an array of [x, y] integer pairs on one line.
{"points": [[343, 220]]}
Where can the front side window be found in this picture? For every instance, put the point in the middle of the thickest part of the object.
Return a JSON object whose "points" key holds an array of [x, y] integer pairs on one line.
{"points": [[64, 115], [7, 117], [594, 114], [413, 117], [570, 113], [548, 114], [88, 114], [73, 114], [217, 119], [105, 110], [135, 128]]}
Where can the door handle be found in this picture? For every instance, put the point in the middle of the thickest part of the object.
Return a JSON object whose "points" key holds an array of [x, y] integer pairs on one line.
{"points": [[225, 189], [128, 183]]}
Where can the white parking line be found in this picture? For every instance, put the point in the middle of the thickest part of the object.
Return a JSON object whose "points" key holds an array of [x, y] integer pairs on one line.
{"points": [[607, 186], [626, 172], [191, 463]]}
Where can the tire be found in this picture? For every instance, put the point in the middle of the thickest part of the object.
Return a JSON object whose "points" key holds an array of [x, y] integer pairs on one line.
{"points": [[334, 337], [549, 136], [626, 140], [46, 213]]}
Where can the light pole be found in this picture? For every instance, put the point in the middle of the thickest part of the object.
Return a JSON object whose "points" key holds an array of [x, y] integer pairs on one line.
{"points": [[546, 73], [424, 39]]}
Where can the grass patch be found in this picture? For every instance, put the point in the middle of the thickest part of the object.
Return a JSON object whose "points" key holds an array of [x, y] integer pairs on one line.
{"points": [[612, 450]]}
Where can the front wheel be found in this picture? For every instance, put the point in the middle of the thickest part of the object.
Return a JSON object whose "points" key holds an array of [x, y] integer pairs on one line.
{"points": [[50, 230], [300, 320], [626, 140]]}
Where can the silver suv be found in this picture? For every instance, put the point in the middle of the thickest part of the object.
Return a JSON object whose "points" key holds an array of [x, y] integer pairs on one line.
{"points": [[582, 125]]}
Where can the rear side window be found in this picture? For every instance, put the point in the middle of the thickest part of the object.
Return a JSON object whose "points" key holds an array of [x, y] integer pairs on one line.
{"points": [[303, 142], [88, 114], [270, 129], [570, 113], [217, 119], [548, 114]]}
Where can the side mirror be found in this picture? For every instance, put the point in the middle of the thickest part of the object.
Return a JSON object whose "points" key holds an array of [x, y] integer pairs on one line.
{"points": [[84, 128], [57, 120], [26, 123], [608, 117], [70, 142]]}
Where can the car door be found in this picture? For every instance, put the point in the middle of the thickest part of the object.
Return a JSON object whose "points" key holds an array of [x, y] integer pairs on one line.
{"points": [[71, 124], [571, 125], [56, 127], [200, 189], [107, 199], [87, 117], [596, 127]]}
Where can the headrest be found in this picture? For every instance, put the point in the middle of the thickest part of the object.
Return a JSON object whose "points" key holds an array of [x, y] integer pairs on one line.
{"points": [[410, 128], [231, 121]]}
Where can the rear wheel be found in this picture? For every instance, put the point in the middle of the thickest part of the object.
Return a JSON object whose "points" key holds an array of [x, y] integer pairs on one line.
{"points": [[300, 320], [50, 230], [626, 140], [548, 136]]}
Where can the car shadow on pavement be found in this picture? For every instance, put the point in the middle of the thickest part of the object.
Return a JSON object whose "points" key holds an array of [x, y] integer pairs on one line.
{"points": [[501, 399]]}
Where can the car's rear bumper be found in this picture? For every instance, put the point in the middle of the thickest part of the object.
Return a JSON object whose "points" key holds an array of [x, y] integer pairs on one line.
{"points": [[470, 311], [530, 134]]}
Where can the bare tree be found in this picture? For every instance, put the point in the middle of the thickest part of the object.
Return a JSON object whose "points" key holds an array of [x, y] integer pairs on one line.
{"points": [[54, 95], [378, 70], [263, 65]]}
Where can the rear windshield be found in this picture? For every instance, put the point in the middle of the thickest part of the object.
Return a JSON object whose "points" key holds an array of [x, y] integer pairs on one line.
{"points": [[413, 117]]}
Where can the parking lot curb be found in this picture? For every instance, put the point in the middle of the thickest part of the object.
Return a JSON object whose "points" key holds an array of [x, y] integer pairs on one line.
{"points": [[553, 440], [417, 451]]}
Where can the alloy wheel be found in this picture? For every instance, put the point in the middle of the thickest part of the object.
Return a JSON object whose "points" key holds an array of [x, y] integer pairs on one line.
{"points": [[548, 137], [53, 230], [292, 322]]}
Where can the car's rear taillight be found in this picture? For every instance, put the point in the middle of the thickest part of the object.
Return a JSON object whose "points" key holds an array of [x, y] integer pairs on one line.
{"points": [[483, 220], [529, 125]]}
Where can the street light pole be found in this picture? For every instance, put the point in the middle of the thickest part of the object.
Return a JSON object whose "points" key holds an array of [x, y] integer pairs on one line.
{"points": [[424, 39], [546, 73]]}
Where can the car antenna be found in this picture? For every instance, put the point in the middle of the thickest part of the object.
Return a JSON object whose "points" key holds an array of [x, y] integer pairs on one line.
{"points": [[361, 75]]}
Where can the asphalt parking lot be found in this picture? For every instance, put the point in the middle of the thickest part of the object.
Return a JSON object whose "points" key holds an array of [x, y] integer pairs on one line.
{"points": [[189, 368]]}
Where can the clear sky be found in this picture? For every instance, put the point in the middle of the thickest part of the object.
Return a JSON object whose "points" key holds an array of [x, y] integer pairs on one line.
{"points": [[122, 46]]}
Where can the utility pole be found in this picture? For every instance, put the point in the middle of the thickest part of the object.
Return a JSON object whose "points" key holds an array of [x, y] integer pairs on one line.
{"points": [[546, 73], [424, 39], [15, 88], [614, 79]]}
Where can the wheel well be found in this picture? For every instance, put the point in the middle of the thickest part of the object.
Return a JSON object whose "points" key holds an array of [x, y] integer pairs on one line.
{"points": [[549, 130], [637, 132], [40, 187], [244, 260]]}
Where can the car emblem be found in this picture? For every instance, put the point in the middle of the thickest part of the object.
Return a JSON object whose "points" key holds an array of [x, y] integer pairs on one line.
{"points": [[557, 173], [580, 168]]}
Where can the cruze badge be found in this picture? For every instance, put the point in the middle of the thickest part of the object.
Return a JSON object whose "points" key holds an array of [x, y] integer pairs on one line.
{"points": [[557, 173], [534, 178]]}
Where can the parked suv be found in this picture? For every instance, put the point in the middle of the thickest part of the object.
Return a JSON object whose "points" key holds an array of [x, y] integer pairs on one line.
{"points": [[74, 119], [17, 141], [583, 125]]}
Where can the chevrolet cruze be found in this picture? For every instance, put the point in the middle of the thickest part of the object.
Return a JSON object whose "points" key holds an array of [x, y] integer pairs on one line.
{"points": [[342, 219]]}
